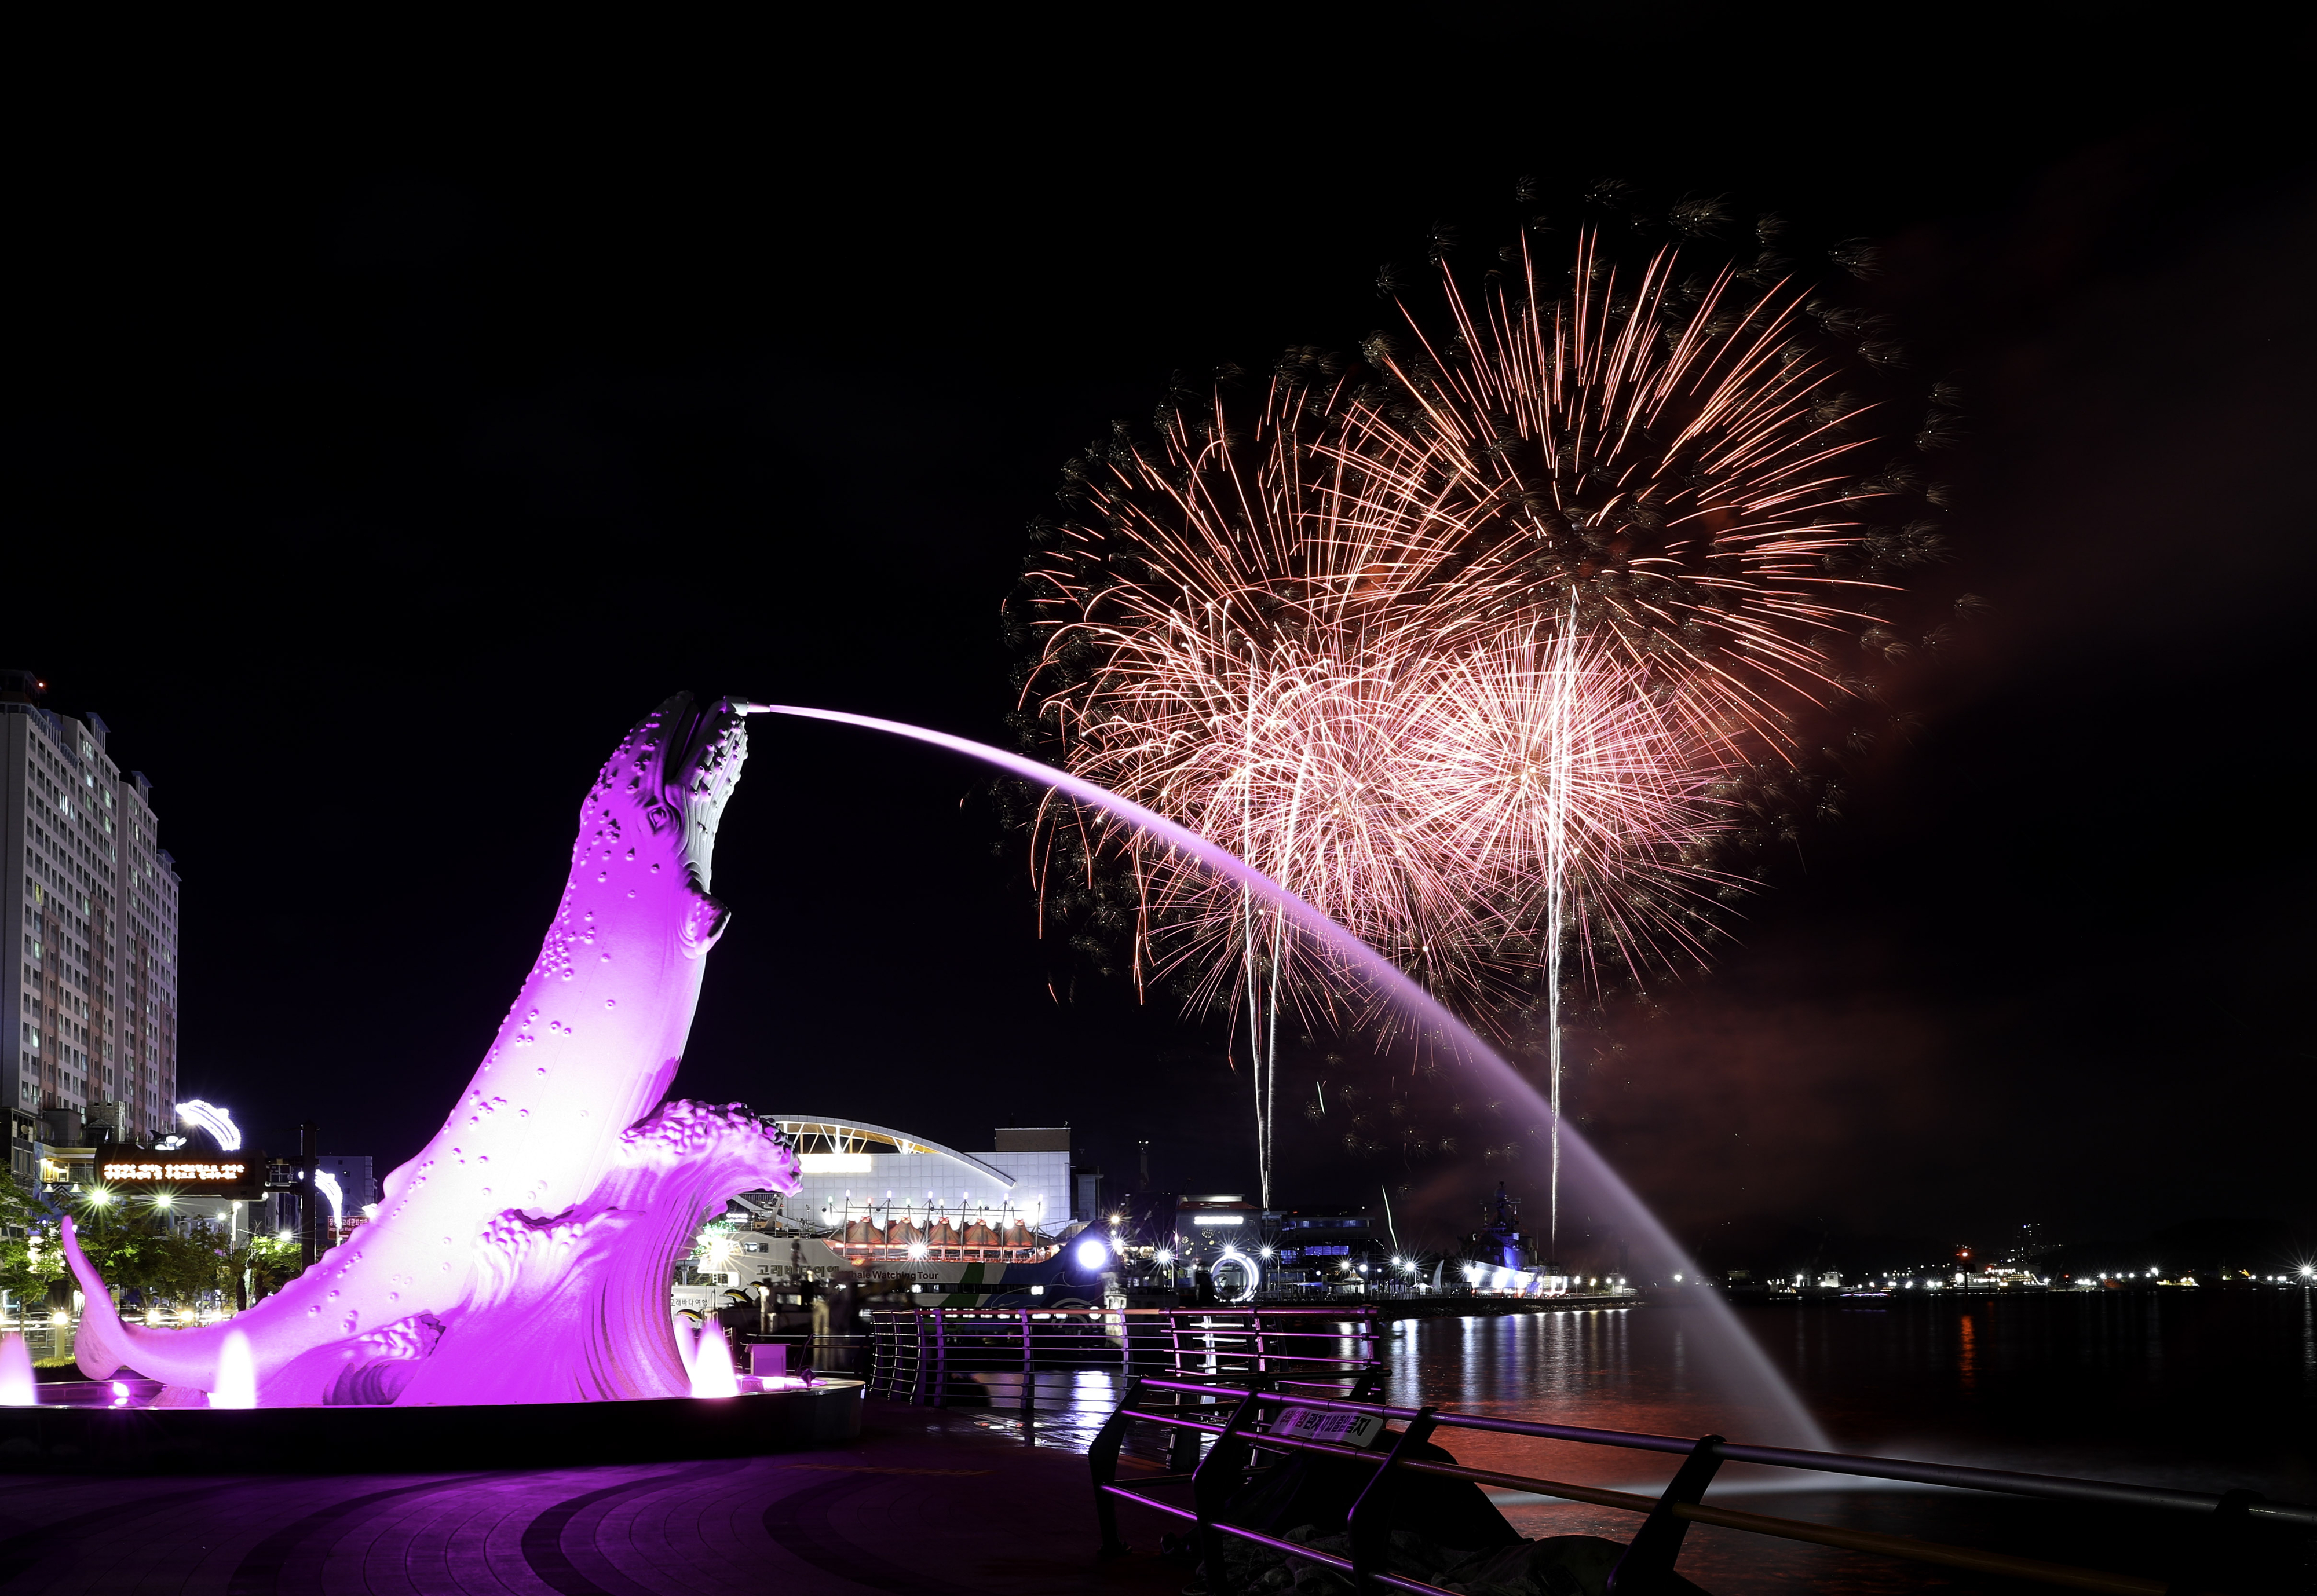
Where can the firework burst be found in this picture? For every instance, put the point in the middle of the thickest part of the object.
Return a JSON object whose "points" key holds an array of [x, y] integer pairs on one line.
{"points": [[1470, 640]]}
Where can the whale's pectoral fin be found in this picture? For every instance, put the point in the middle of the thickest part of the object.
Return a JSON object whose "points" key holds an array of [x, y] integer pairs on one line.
{"points": [[705, 921]]}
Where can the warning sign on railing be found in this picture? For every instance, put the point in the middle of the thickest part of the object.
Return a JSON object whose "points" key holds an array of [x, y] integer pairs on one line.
{"points": [[1316, 1423]]}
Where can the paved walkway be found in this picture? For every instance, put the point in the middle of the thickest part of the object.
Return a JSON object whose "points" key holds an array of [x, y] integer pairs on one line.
{"points": [[924, 1503]]}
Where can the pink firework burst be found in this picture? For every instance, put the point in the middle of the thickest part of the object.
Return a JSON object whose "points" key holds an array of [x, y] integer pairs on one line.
{"points": [[1460, 639]]}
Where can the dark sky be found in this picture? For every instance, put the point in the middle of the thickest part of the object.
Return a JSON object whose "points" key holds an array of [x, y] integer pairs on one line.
{"points": [[376, 452]]}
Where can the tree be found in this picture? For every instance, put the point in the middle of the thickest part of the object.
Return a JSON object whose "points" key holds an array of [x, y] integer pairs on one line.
{"points": [[30, 1253]]}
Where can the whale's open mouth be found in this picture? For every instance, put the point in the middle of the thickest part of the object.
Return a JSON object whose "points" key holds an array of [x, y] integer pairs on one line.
{"points": [[685, 760]]}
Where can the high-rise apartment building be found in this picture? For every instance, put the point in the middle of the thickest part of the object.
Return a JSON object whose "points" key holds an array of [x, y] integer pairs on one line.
{"points": [[88, 929]]}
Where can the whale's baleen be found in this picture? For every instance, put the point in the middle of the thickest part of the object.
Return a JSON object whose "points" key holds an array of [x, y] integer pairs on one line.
{"points": [[524, 1255]]}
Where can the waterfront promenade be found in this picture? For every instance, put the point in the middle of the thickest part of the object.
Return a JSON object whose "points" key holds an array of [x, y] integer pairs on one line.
{"points": [[924, 1503]]}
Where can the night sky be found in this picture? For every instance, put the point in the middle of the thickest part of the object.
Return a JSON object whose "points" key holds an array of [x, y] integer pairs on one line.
{"points": [[374, 455]]}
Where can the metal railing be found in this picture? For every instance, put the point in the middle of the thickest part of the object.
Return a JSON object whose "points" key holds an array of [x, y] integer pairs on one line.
{"points": [[934, 1356], [1236, 1441]]}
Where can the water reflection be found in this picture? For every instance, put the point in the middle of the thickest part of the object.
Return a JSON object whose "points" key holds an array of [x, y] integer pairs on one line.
{"points": [[2205, 1393]]}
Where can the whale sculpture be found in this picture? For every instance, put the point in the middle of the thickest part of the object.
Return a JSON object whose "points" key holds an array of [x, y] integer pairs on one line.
{"points": [[524, 1255]]}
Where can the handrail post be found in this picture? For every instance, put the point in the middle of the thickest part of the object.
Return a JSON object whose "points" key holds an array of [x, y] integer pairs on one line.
{"points": [[2196, 1569], [917, 1393], [1211, 1483], [1029, 1380], [1371, 1530], [1650, 1559], [941, 1356], [1102, 1457]]}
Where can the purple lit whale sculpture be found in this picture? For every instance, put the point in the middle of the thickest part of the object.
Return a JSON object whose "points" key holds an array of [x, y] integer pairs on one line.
{"points": [[524, 1254]]}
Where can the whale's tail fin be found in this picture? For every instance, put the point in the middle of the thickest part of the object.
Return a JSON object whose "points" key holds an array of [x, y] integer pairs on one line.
{"points": [[103, 1345]]}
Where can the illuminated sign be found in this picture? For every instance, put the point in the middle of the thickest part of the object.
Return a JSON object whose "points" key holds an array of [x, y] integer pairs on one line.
{"points": [[216, 1120], [833, 1164], [194, 1177]]}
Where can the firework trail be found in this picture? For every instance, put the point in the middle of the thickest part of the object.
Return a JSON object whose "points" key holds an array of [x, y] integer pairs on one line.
{"points": [[1577, 799], [1466, 641]]}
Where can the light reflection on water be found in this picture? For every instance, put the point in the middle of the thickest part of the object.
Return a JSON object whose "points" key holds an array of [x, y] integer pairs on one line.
{"points": [[2205, 1394], [2202, 1394]]}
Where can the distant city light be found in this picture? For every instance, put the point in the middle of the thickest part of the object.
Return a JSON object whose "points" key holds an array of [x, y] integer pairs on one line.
{"points": [[1164, 1255], [1091, 1254]]}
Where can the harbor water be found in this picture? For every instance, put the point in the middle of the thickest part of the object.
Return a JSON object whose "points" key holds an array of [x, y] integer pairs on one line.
{"points": [[2208, 1392]]}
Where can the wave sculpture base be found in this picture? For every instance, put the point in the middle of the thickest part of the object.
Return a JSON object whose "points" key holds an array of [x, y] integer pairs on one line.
{"points": [[426, 1439], [524, 1254]]}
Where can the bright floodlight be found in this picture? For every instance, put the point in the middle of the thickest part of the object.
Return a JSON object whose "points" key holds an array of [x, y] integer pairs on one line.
{"points": [[1167, 1255], [216, 1120], [98, 1196], [1091, 1254]]}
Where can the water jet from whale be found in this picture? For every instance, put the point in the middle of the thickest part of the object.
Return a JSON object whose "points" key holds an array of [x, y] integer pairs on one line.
{"points": [[1741, 1374]]}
